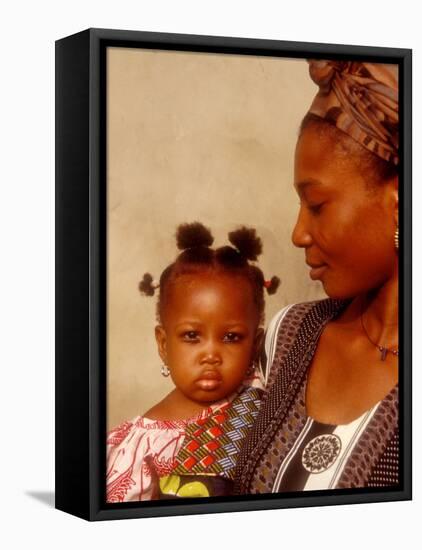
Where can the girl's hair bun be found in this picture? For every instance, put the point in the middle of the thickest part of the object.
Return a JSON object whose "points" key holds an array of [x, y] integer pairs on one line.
{"points": [[193, 235], [273, 285], [146, 286], [246, 241], [228, 256]]}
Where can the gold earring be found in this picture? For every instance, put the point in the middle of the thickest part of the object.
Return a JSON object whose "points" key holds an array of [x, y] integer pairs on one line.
{"points": [[396, 238], [165, 370]]}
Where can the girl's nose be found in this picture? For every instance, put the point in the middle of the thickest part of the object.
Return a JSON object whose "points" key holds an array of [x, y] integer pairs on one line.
{"points": [[301, 236], [211, 354]]}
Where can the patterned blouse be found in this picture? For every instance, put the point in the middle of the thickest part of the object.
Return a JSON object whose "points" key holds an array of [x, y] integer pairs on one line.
{"points": [[286, 450], [163, 459]]}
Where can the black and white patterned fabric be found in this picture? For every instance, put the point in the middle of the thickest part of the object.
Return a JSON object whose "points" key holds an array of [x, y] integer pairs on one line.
{"points": [[368, 447]]}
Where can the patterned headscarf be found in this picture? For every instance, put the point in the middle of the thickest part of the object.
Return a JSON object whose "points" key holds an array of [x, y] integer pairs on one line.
{"points": [[361, 99]]}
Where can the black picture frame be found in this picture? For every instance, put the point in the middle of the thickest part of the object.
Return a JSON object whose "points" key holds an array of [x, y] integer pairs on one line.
{"points": [[81, 271]]}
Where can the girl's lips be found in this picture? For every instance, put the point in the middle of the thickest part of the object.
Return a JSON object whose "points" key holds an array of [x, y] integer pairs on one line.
{"points": [[316, 272], [209, 380], [208, 384]]}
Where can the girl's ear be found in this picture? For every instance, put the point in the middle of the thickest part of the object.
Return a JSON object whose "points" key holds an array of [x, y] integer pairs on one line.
{"points": [[161, 339]]}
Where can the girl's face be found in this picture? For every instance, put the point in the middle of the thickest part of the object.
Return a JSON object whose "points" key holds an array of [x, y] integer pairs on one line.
{"points": [[345, 225], [209, 334]]}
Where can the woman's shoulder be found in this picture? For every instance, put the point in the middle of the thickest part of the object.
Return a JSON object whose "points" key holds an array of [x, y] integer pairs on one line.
{"points": [[286, 325], [291, 316], [304, 307], [295, 313]]}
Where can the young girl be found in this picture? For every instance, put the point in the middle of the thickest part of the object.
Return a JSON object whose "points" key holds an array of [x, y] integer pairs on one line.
{"points": [[210, 311]]}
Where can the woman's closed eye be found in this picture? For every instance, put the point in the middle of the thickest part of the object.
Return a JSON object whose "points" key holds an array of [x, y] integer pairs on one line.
{"points": [[315, 208]]}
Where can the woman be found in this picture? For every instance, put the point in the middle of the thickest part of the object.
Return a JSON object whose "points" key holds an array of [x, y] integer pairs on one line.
{"points": [[330, 417]]}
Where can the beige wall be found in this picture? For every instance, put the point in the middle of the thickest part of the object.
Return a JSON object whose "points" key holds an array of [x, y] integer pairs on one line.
{"points": [[193, 137]]}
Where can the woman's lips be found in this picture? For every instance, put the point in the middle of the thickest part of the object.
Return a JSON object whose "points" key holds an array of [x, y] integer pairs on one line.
{"points": [[209, 380], [317, 271]]}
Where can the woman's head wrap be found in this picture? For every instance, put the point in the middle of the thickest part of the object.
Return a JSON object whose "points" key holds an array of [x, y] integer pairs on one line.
{"points": [[361, 99]]}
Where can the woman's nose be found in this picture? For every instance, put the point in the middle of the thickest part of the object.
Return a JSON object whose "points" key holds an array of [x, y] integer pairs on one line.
{"points": [[301, 236]]}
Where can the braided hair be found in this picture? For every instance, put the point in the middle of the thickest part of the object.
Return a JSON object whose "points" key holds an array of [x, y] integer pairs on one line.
{"points": [[196, 256]]}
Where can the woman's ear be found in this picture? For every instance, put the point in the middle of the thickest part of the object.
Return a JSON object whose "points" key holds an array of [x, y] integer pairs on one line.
{"points": [[394, 189], [397, 201], [161, 339]]}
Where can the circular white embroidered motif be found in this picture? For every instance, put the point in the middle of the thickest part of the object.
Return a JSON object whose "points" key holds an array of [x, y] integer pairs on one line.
{"points": [[321, 453]]}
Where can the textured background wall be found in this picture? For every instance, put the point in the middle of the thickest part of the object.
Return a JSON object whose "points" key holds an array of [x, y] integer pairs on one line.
{"points": [[193, 137]]}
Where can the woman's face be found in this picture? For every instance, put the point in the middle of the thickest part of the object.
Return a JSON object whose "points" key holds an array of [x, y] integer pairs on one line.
{"points": [[209, 334], [346, 224]]}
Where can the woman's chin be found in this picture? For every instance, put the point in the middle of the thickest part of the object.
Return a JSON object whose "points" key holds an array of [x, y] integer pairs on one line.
{"points": [[336, 292]]}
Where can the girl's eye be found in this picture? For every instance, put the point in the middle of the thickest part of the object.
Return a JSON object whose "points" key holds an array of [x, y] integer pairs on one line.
{"points": [[190, 336], [232, 337]]}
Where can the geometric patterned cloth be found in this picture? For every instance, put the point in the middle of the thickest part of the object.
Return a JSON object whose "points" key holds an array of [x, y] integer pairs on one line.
{"points": [[212, 445], [374, 458]]}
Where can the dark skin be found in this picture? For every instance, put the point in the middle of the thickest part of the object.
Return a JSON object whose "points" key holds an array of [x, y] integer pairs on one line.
{"points": [[346, 226], [208, 337]]}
